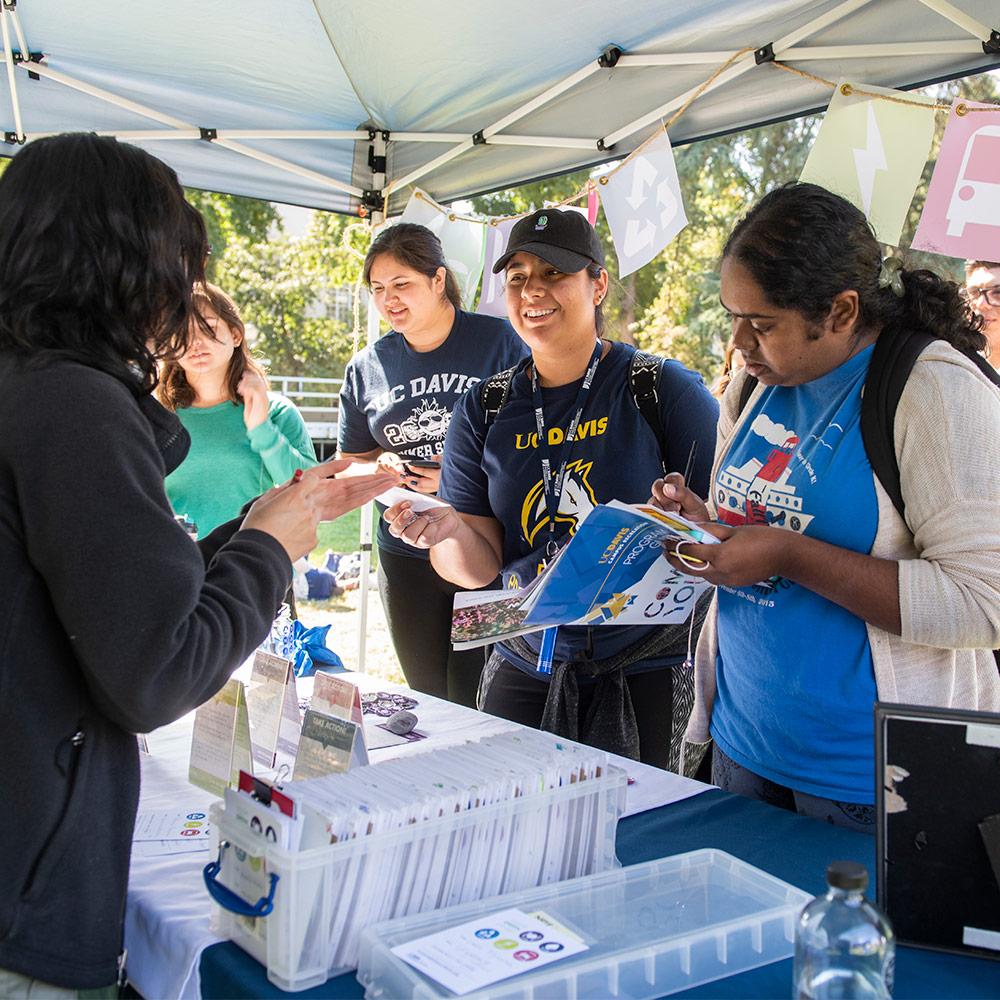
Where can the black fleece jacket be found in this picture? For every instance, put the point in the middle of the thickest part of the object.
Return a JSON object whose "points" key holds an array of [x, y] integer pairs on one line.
{"points": [[112, 622]]}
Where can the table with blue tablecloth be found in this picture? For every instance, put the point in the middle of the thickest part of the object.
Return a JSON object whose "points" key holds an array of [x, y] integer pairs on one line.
{"points": [[791, 847]]}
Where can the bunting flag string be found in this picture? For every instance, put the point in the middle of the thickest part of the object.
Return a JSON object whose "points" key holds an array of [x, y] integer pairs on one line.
{"points": [[872, 152], [871, 148]]}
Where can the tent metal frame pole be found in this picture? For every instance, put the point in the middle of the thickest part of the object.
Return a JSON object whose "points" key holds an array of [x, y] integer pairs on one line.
{"points": [[738, 68], [11, 76], [378, 148], [639, 59], [960, 18], [141, 109], [887, 50], [292, 168], [438, 161], [491, 130], [187, 134], [22, 41]]}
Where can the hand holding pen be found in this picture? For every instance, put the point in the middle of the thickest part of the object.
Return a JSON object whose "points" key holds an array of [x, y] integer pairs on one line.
{"points": [[672, 494]]}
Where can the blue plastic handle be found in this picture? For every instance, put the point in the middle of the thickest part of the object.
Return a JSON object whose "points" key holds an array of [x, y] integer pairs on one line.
{"points": [[228, 899]]}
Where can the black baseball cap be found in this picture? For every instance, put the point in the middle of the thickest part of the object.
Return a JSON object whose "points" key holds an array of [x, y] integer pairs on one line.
{"points": [[564, 239]]}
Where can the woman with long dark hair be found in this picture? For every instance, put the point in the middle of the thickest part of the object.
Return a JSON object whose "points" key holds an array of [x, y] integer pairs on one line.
{"points": [[569, 436], [851, 602], [395, 407], [244, 439], [113, 621]]}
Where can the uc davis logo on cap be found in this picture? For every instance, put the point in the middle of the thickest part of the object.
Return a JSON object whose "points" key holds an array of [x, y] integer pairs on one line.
{"points": [[543, 221]]}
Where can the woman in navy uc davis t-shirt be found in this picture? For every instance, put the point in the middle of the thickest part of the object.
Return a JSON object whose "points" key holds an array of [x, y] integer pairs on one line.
{"points": [[397, 400], [493, 475]]}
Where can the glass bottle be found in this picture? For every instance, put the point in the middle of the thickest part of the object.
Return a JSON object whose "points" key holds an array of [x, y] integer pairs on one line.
{"points": [[844, 947]]}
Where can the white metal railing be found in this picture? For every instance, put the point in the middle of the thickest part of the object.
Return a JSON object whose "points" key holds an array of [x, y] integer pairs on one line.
{"points": [[317, 399]]}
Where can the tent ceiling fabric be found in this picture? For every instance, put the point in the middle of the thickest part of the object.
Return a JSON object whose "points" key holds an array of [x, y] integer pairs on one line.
{"points": [[332, 66]]}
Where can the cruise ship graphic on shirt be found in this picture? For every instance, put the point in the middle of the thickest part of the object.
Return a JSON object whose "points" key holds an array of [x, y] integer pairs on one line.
{"points": [[758, 492]]}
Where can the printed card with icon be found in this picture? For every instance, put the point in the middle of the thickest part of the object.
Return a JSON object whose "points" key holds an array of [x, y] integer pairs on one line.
{"points": [[336, 697], [220, 744], [273, 707], [490, 948], [329, 745]]}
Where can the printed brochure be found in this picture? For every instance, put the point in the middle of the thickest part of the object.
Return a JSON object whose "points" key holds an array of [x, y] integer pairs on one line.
{"points": [[611, 572]]}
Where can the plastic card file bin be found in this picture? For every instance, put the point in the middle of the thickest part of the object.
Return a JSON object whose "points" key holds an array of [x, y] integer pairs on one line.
{"points": [[651, 929], [323, 898]]}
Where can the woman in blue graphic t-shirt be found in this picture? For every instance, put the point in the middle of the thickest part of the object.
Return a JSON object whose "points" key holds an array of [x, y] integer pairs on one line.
{"points": [[395, 407], [849, 603], [610, 685]]}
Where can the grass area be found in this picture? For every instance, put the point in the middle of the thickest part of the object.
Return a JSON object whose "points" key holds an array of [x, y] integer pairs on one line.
{"points": [[341, 535]]}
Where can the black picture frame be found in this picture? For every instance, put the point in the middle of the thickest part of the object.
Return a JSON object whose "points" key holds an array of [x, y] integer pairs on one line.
{"points": [[938, 827]]}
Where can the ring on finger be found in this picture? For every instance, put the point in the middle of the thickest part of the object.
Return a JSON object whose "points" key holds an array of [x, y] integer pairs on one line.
{"points": [[691, 562]]}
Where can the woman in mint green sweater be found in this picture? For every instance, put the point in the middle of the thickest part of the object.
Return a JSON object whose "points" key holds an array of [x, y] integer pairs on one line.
{"points": [[244, 439]]}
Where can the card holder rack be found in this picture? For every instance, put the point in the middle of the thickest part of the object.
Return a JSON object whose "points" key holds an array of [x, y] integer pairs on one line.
{"points": [[322, 899]]}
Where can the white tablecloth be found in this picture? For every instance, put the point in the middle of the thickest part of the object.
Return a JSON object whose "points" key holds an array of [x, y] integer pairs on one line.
{"points": [[168, 910]]}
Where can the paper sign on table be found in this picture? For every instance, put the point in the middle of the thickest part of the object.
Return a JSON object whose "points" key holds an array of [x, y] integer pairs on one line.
{"points": [[489, 949], [337, 697], [273, 708], [183, 825], [961, 217], [872, 152], [220, 743], [329, 745]]}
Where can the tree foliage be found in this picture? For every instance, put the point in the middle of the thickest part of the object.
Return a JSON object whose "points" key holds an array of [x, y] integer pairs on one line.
{"points": [[670, 306], [283, 285]]}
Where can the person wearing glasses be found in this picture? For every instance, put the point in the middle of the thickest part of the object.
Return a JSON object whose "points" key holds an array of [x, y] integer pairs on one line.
{"points": [[982, 292]]}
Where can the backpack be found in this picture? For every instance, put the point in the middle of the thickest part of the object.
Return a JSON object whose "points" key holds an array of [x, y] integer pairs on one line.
{"points": [[892, 361], [643, 382]]}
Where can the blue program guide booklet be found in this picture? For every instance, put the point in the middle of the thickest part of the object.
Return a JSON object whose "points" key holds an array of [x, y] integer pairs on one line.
{"points": [[611, 572]]}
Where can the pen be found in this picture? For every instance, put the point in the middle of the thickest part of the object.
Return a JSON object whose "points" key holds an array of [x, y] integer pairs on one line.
{"points": [[689, 468]]}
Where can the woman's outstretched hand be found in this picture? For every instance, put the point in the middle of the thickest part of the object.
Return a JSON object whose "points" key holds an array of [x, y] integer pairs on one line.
{"points": [[291, 513], [422, 530]]}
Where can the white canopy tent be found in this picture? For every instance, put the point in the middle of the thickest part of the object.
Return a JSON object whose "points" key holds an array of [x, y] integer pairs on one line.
{"points": [[292, 101], [338, 105]]}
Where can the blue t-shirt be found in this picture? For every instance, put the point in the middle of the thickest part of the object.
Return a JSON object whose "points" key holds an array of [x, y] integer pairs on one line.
{"points": [[401, 400], [796, 685], [615, 456]]}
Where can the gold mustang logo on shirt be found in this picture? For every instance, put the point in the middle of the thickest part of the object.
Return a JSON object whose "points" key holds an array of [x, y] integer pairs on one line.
{"points": [[575, 503]]}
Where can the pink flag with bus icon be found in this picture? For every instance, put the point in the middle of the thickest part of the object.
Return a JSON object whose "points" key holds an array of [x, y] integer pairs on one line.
{"points": [[961, 217]]}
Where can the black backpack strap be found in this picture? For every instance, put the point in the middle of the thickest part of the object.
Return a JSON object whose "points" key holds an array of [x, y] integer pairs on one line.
{"points": [[493, 392], [892, 361], [644, 384], [746, 391]]}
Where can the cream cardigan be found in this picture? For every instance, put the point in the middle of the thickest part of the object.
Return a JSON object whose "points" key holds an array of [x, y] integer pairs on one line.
{"points": [[947, 437]]}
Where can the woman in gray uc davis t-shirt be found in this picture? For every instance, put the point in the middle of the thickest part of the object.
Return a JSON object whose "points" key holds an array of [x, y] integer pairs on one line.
{"points": [[397, 400]]}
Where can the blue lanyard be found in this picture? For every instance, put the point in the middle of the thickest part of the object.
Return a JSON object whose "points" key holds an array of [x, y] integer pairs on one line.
{"points": [[552, 483]]}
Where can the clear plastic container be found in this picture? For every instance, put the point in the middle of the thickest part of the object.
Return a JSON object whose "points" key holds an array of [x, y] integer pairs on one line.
{"points": [[324, 898], [651, 929], [844, 946]]}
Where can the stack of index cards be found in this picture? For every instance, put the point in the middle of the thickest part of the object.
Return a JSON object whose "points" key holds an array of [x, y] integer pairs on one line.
{"points": [[423, 832]]}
